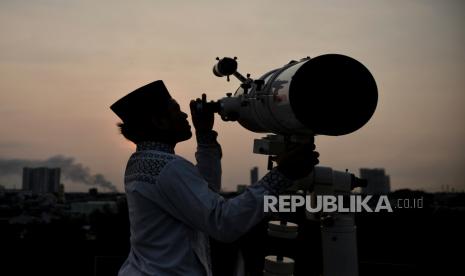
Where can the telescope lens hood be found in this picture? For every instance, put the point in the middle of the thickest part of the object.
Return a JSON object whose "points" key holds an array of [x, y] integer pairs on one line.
{"points": [[333, 94]]}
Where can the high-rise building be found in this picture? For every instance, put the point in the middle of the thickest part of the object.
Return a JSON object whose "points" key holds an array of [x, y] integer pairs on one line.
{"points": [[253, 175], [378, 183], [41, 180]]}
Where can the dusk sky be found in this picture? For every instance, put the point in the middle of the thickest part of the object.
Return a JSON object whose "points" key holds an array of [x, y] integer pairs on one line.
{"points": [[63, 63]]}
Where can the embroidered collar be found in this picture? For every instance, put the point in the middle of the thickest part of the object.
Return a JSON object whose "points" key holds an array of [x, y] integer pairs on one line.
{"points": [[152, 145]]}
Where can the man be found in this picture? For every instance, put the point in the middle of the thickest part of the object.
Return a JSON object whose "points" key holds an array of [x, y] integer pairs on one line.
{"points": [[173, 205]]}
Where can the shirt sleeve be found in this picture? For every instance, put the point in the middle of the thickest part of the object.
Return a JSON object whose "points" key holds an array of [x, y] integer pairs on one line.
{"points": [[185, 195], [208, 156]]}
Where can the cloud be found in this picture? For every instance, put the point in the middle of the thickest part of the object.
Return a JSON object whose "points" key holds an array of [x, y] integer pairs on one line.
{"points": [[70, 170]]}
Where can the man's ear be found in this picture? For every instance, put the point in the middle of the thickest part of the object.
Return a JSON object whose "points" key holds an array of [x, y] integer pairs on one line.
{"points": [[160, 123]]}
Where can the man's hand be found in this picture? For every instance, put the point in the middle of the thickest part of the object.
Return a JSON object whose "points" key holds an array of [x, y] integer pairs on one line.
{"points": [[204, 119], [298, 162]]}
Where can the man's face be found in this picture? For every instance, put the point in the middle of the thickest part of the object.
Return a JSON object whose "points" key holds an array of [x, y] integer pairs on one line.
{"points": [[175, 124]]}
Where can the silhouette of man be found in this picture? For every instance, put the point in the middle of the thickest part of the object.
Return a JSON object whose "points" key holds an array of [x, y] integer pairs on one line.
{"points": [[174, 205]]}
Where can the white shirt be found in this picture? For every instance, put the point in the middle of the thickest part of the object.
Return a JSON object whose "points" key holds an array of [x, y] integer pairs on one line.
{"points": [[174, 206]]}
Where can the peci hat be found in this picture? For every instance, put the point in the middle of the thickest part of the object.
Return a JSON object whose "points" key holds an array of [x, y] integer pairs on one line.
{"points": [[142, 101]]}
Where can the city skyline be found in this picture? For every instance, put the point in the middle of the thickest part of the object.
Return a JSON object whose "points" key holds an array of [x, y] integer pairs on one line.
{"points": [[62, 64]]}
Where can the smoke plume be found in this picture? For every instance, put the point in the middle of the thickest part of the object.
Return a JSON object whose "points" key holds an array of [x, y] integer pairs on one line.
{"points": [[70, 170]]}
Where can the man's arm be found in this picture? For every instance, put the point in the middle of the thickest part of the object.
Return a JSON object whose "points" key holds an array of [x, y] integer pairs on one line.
{"points": [[208, 156], [183, 193], [208, 153]]}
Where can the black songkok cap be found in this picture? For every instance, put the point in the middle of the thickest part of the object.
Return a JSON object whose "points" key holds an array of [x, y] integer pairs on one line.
{"points": [[142, 102]]}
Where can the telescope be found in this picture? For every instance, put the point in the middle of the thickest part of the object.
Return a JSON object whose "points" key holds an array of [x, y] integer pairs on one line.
{"points": [[330, 94]]}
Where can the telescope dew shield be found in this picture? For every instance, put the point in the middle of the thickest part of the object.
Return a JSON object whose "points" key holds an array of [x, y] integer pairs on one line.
{"points": [[333, 94], [328, 95]]}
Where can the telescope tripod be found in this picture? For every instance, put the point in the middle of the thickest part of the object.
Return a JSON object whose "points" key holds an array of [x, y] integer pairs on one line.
{"points": [[338, 230]]}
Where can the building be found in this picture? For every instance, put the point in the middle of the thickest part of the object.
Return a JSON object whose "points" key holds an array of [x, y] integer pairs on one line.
{"points": [[41, 180], [378, 183], [253, 175]]}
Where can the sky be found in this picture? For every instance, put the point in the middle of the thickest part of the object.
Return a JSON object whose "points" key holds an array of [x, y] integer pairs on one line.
{"points": [[63, 63]]}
